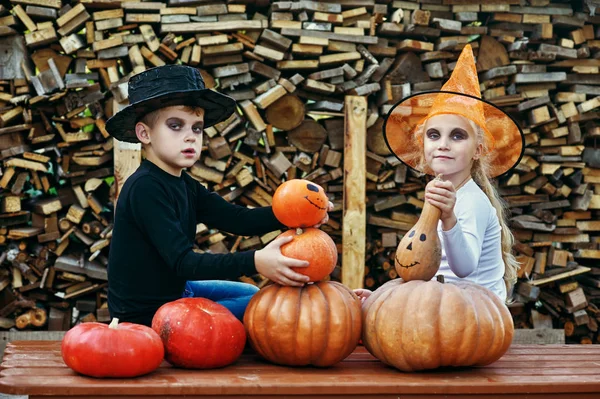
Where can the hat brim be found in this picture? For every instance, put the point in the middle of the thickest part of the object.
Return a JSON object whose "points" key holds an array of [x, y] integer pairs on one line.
{"points": [[508, 141], [217, 107]]}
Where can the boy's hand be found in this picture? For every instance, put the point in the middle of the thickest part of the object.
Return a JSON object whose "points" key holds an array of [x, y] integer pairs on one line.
{"points": [[442, 195], [363, 294], [272, 264], [326, 218]]}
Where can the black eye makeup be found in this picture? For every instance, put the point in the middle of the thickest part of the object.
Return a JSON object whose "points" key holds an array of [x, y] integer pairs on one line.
{"points": [[432, 134], [174, 123], [459, 134]]}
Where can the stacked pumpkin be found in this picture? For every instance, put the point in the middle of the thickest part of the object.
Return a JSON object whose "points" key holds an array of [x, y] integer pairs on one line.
{"points": [[318, 324], [413, 323]]}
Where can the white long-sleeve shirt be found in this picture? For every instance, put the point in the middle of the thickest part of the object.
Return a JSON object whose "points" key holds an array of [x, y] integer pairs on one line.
{"points": [[472, 249]]}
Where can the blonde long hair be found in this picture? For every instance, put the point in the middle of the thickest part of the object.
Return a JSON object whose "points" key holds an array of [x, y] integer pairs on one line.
{"points": [[480, 172]]}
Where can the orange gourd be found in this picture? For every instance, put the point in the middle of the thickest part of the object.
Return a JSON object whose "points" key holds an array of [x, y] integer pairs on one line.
{"points": [[316, 247], [317, 324], [420, 325], [299, 203], [419, 253]]}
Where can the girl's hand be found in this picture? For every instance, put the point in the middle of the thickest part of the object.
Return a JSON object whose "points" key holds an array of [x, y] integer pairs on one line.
{"points": [[363, 294], [442, 195]]}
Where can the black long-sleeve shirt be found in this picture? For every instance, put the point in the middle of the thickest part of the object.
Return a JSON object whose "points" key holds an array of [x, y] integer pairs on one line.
{"points": [[151, 255]]}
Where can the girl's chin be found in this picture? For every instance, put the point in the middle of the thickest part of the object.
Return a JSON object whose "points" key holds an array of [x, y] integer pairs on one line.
{"points": [[443, 171]]}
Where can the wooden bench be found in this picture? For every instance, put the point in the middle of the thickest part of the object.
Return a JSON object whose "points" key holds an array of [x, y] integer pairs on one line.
{"points": [[35, 368]]}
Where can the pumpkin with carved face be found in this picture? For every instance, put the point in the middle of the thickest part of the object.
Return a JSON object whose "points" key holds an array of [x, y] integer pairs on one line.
{"points": [[300, 203], [419, 253]]}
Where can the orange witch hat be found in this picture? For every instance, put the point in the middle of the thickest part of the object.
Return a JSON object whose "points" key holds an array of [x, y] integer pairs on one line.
{"points": [[460, 95]]}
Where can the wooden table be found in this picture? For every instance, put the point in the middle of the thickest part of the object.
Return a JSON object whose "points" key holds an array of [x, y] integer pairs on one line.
{"points": [[36, 368]]}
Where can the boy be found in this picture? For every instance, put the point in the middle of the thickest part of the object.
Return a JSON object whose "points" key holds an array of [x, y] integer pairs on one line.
{"points": [[151, 259]]}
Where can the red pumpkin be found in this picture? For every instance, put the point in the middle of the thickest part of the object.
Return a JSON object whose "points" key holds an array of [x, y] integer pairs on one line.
{"points": [[316, 247], [199, 333], [299, 203], [115, 350]]}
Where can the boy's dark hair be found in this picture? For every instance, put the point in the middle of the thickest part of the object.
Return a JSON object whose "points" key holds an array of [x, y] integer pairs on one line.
{"points": [[151, 117]]}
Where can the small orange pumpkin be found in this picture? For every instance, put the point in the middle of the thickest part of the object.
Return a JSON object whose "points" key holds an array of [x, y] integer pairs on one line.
{"points": [[419, 253], [317, 324], [299, 203], [315, 246]]}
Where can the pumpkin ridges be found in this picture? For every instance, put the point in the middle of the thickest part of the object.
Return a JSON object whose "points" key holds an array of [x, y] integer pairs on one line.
{"points": [[489, 330], [493, 313], [456, 326], [484, 321], [286, 316], [336, 346], [499, 334], [498, 342], [469, 330], [423, 330], [275, 314], [412, 335], [369, 319], [400, 298], [506, 319], [302, 354], [353, 326], [475, 340], [374, 321], [326, 328], [131, 358], [319, 310], [355, 313], [259, 330]]}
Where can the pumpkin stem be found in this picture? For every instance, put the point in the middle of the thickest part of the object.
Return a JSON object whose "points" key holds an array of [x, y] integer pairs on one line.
{"points": [[299, 231], [440, 278], [113, 323]]}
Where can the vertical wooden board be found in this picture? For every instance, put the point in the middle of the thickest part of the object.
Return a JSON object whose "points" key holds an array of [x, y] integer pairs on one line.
{"points": [[127, 158], [354, 209]]}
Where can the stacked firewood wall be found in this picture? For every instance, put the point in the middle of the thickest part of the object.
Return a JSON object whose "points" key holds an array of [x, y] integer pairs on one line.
{"points": [[289, 64]]}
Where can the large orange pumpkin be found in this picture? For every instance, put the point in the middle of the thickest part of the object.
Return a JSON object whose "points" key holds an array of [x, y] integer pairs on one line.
{"points": [[318, 324], [419, 253], [199, 333], [419, 325], [299, 203], [316, 247]]}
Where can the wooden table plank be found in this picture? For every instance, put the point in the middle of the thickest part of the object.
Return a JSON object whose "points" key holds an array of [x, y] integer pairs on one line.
{"points": [[551, 370]]}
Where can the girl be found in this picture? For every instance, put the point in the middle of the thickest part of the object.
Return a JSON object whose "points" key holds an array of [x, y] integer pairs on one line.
{"points": [[467, 141]]}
